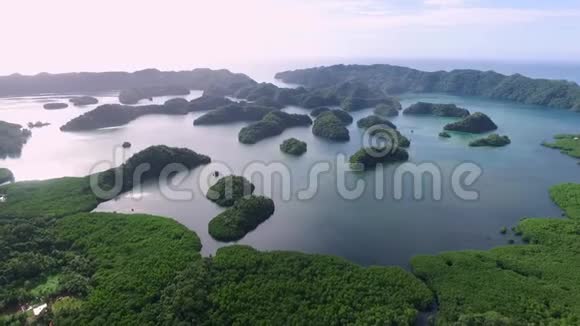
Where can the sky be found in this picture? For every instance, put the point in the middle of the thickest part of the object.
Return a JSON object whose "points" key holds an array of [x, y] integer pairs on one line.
{"points": [[104, 35]]}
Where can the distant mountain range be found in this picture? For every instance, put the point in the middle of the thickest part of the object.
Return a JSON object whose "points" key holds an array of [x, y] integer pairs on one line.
{"points": [[381, 79], [393, 80], [89, 82]]}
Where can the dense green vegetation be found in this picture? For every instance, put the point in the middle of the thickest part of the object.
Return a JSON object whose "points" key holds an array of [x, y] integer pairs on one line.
{"points": [[391, 135], [316, 112], [234, 113], [50, 198], [227, 190], [273, 124], [493, 140], [293, 146], [344, 116], [567, 144], [83, 100], [332, 125], [6, 175], [246, 215], [109, 115], [387, 110], [147, 164], [440, 110], [271, 95], [55, 106], [12, 139], [396, 80], [535, 284], [374, 120], [474, 123], [207, 103], [249, 287], [135, 257], [351, 96], [368, 158], [134, 95], [35, 265]]}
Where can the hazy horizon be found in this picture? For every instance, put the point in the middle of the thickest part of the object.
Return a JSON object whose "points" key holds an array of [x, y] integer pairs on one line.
{"points": [[180, 35]]}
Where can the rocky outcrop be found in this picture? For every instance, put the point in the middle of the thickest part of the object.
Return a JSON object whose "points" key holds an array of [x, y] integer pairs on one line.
{"points": [[12, 139], [374, 120], [475, 123], [246, 215], [293, 146], [493, 140], [440, 110], [331, 126], [37, 124], [55, 106], [273, 124], [368, 158], [229, 189], [83, 100]]}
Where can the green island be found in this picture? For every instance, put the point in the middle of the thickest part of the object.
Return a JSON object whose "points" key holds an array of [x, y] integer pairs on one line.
{"points": [[567, 144], [293, 146], [475, 123], [374, 120], [234, 113], [397, 80], [387, 110], [245, 215], [114, 115], [533, 284], [154, 159], [83, 100], [440, 110], [332, 125], [55, 106], [6, 176], [444, 134], [227, 190], [273, 124], [12, 139], [390, 134], [37, 124], [369, 158], [493, 140]]}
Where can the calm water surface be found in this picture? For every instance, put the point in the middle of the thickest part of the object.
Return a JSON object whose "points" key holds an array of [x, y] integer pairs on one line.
{"points": [[514, 184]]}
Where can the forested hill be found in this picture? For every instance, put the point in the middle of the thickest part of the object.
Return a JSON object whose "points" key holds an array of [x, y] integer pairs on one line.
{"points": [[200, 79], [397, 80]]}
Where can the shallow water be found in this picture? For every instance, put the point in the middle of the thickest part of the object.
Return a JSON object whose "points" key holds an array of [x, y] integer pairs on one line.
{"points": [[367, 230]]}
